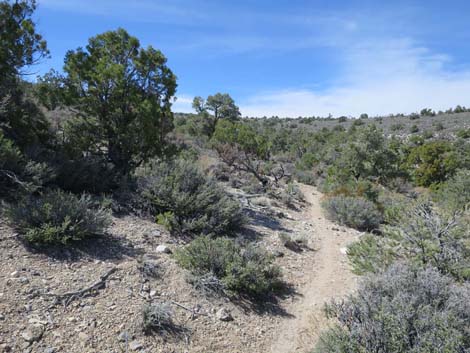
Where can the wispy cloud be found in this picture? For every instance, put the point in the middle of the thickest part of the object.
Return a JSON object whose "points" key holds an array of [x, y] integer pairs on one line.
{"points": [[183, 104], [379, 78], [383, 62]]}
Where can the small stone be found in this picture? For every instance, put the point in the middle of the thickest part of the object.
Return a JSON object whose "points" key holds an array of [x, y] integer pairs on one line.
{"points": [[33, 333], [83, 337], [124, 336], [24, 280], [163, 249], [343, 251], [2, 317], [49, 350], [14, 274], [224, 315], [28, 307], [153, 293], [135, 346]]}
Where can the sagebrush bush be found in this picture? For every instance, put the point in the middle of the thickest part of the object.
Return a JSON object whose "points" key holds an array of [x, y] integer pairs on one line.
{"points": [[186, 201], [401, 310], [247, 271], [293, 242], [355, 212], [371, 254], [454, 194], [292, 195], [392, 206], [157, 317], [421, 235], [57, 217]]}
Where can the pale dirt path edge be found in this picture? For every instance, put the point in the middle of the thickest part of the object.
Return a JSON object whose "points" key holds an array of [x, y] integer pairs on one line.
{"points": [[331, 278]]}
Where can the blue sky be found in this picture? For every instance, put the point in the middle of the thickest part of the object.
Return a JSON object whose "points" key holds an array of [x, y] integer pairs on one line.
{"points": [[289, 58]]}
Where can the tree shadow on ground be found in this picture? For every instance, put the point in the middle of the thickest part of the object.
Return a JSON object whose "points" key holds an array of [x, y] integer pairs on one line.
{"points": [[106, 247], [269, 304], [264, 220]]}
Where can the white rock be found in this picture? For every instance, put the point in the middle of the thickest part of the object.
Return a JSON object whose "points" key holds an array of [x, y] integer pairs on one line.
{"points": [[14, 274], [224, 315], [33, 333], [163, 249], [124, 336], [343, 251], [83, 337], [135, 346]]}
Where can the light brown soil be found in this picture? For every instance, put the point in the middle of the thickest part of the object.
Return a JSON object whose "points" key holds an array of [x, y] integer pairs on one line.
{"points": [[93, 323], [329, 278]]}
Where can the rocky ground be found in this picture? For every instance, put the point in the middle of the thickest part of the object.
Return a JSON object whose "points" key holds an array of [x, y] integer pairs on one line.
{"points": [[42, 308]]}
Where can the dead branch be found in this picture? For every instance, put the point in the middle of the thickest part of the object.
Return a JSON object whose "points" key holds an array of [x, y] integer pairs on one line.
{"points": [[67, 298], [193, 312]]}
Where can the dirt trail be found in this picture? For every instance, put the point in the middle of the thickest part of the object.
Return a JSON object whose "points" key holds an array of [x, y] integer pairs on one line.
{"points": [[330, 278]]}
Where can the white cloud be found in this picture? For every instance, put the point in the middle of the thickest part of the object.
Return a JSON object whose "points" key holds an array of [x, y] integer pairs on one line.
{"points": [[379, 78], [183, 104]]}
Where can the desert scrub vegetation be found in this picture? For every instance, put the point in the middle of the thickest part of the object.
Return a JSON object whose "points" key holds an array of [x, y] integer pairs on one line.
{"points": [[454, 194], [57, 217], [157, 318], [294, 242], [432, 162], [401, 310], [186, 201], [354, 212], [421, 235], [247, 271]]}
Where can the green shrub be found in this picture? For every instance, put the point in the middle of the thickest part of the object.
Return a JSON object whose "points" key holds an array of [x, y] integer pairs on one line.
{"points": [[246, 271], [414, 129], [422, 236], [454, 194], [57, 217], [392, 206], [432, 162], [438, 126], [401, 310], [186, 201], [11, 164], [18, 175], [305, 177], [397, 127], [291, 196], [370, 254], [357, 122], [463, 133], [355, 212], [428, 134]]}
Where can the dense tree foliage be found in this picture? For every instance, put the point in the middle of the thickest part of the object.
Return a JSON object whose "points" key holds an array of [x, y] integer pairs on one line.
{"points": [[221, 105], [24, 130], [124, 94]]}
